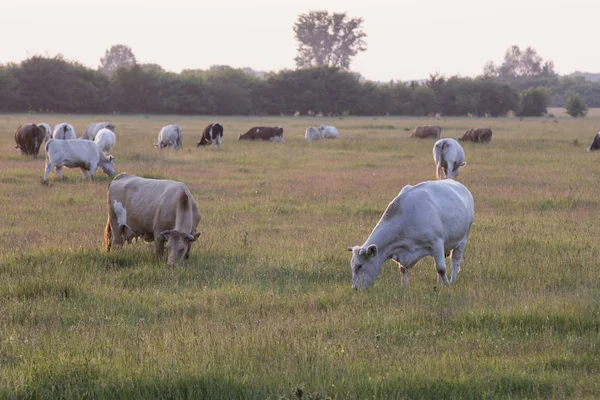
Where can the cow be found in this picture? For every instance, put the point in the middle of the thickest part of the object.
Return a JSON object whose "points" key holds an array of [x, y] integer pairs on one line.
{"points": [[157, 209], [92, 130], [64, 131], [595, 144], [264, 133], [77, 153], [478, 135], [426, 132], [47, 129], [105, 139], [448, 156], [213, 133], [432, 218], [29, 138], [169, 135], [322, 132]]}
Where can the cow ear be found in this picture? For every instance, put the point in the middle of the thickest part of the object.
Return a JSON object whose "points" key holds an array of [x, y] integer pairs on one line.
{"points": [[372, 250], [194, 237], [464, 164], [111, 158], [165, 233], [350, 248]]}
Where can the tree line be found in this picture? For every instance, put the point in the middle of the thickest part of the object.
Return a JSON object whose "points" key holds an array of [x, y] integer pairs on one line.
{"points": [[121, 85]]}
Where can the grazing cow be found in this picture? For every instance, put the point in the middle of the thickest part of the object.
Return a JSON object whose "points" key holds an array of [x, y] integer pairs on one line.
{"points": [[448, 156], [432, 218], [595, 144], [155, 209], [169, 135], [322, 132], [105, 139], [47, 129], [92, 130], [213, 133], [478, 135], [264, 133], [426, 132], [29, 139], [77, 153], [64, 131]]}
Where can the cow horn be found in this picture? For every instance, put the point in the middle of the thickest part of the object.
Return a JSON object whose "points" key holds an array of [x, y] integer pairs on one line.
{"points": [[165, 233]]}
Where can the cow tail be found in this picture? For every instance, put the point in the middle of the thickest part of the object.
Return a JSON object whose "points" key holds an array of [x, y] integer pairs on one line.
{"points": [[107, 234], [439, 149]]}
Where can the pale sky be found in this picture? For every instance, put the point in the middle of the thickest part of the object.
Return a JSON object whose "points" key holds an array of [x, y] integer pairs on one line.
{"points": [[407, 39]]}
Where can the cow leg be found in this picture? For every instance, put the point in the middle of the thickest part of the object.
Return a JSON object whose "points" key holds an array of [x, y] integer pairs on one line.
{"points": [[84, 173], [48, 170], [404, 272], [58, 171], [440, 262], [456, 258], [439, 172], [93, 168], [159, 244]]}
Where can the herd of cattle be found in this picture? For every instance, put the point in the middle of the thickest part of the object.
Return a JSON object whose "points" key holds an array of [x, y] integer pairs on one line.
{"points": [[432, 218]]}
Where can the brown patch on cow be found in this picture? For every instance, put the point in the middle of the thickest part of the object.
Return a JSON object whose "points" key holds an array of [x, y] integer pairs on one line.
{"points": [[477, 135], [184, 201], [262, 133], [107, 235], [426, 131]]}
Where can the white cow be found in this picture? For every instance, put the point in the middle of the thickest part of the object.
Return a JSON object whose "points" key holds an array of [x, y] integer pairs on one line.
{"points": [[64, 131], [169, 135], [432, 218], [92, 130], [76, 153], [448, 156], [48, 130], [322, 132], [105, 139]]}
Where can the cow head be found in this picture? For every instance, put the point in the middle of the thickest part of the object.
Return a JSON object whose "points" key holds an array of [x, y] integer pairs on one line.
{"points": [[365, 265], [108, 166], [178, 245]]}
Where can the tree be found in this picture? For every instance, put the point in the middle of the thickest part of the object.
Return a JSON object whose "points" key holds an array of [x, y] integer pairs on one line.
{"points": [[576, 106], [520, 64], [328, 39], [117, 56], [534, 102]]}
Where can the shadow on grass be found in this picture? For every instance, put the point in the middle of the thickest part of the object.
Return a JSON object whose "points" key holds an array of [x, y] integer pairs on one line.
{"points": [[86, 381]]}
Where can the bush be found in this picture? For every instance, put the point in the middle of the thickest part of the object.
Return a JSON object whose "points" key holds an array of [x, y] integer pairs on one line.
{"points": [[576, 106], [534, 102]]}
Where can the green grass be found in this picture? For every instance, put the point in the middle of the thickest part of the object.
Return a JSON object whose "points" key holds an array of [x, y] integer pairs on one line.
{"points": [[264, 308]]}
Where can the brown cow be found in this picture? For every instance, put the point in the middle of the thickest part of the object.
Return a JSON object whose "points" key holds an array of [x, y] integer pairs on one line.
{"points": [[426, 131], [213, 133], [478, 135], [29, 138], [264, 133]]}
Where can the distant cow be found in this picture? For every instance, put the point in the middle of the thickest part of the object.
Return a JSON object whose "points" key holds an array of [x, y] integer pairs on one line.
{"points": [[155, 209], [426, 132], [432, 218], [170, 135], [322, 132], [478, 135], [29, 139], [105, 139], [64, 131], [263, 133], [92, 130], [213, 133], [595, 144], [77, 153], [448, 156], [47, 129]]}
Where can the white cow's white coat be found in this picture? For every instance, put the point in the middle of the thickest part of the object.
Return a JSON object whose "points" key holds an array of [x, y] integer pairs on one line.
{"points": [[83, 154], [432, 218], [322, 132], [170, 135], [105, 139], [448, 156], [64, 131]]}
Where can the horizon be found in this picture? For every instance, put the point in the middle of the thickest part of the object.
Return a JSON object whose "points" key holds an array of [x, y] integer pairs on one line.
{"points": [[454, 39]]}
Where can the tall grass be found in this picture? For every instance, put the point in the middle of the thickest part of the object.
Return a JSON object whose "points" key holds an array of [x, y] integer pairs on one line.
{"points": [[264, 308]]}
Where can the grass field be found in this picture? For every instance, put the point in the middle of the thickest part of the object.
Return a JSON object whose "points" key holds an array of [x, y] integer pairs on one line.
{"points": [[264, 307]]}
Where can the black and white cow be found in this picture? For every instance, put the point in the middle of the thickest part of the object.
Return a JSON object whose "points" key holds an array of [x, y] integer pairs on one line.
{"points": [[213, 133], [596, 143]]}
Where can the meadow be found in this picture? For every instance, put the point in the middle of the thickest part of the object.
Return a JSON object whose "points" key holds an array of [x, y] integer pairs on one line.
{"points": [[264, 307]]}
